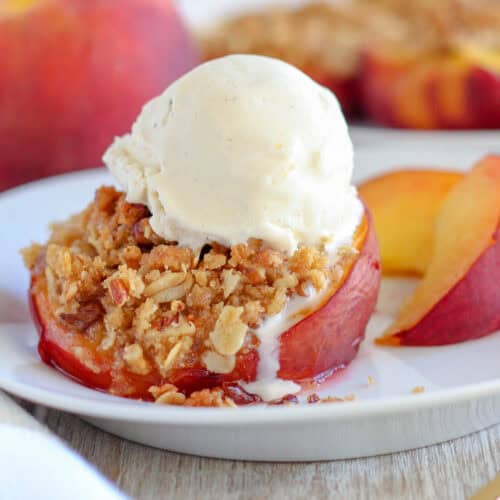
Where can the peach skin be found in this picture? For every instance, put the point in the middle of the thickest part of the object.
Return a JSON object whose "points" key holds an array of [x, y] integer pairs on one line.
{"points": [[329, 338], [458, 298]]}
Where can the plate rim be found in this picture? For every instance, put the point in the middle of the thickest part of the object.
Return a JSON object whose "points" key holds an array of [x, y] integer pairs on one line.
{"points": [[122, 409]]}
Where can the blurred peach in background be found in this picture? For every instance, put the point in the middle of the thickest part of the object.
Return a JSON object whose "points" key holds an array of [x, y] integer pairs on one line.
{"points": [[75, 73]]}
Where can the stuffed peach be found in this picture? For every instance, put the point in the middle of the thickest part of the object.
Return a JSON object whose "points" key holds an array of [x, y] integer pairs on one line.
{"points": [[237, 261], [431, 91], [74, 74], [324, 339], [458, 298], [404, 205]]}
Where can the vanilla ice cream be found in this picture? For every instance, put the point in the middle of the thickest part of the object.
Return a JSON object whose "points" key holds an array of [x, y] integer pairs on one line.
{"points": [[242, 147]]}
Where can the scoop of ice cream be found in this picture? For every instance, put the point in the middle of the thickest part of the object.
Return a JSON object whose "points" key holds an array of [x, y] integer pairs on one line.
{"points": [[242, 147]]}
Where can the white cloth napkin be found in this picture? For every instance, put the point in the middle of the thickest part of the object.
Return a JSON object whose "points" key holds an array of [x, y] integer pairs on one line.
{"points": [[35, 464]]}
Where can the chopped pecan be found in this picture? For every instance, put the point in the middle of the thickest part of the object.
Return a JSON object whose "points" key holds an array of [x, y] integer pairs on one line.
{"points": [[144, 235], [214, 261], [268, 258], [240, 253], [239, 395], [118, 291], [169, 257], [139, 231], [87, 314], [285, 400]]}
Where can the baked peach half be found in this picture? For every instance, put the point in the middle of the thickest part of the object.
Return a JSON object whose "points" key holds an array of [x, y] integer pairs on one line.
{"points": [[431, 91], [404, 205], [168, 334], [458, 297]]}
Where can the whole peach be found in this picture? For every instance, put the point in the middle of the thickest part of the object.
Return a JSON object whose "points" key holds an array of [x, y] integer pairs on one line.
{"points": [[75, 73]]}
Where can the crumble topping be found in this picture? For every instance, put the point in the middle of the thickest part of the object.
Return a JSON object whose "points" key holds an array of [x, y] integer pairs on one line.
{"points": [[419, 389], [447, 25], [156, 307]]}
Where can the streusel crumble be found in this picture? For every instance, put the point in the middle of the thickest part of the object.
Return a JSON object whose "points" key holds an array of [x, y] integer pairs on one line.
{"points": [[161, 310]]}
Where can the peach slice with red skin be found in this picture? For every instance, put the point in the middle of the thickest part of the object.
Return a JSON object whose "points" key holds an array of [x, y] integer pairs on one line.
{"points": [[404, 205], [459, 296], [324, 340]]}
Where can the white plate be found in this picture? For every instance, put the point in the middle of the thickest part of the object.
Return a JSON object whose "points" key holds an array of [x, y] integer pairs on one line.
{"points": [[462, 382]]}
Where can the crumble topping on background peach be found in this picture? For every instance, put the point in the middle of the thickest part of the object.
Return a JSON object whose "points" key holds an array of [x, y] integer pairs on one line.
{"points": [[413, 64]]}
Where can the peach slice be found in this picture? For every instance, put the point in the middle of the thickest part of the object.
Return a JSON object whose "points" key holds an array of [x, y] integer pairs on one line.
{"points": [[404, 205], [459, 296]]}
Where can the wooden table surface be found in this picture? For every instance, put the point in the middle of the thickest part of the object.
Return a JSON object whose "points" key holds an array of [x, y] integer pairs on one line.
{"points": [[453, 470]]}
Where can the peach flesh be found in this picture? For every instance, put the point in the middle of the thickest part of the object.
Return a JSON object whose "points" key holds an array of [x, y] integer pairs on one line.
{"points": [[404, 204], [458, 297]]}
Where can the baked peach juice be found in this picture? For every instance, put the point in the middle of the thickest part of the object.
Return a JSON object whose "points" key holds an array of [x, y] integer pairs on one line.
{"points": [[237, 262]]}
